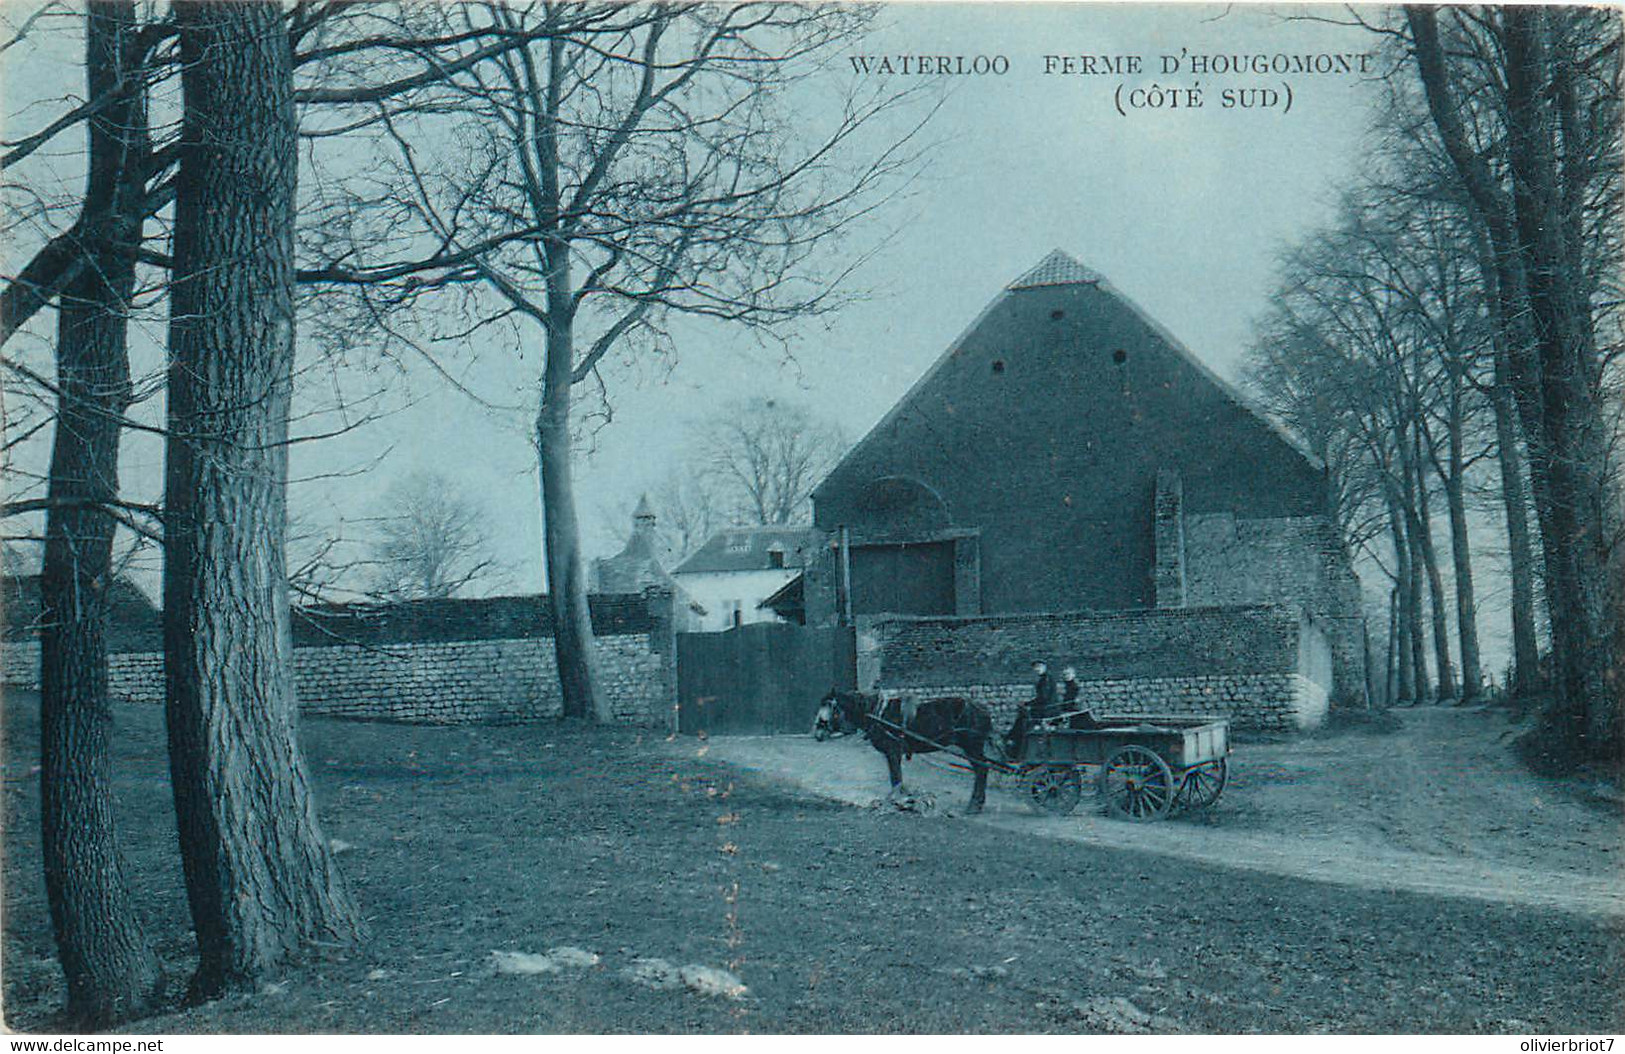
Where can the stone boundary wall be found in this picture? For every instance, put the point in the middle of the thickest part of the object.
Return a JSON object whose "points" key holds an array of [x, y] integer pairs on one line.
{"points": [[457, 619], [1263, 666], [359, 667]]}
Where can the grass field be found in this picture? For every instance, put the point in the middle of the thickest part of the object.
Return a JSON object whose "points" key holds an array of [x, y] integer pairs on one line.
{"points": [[462, 843]]}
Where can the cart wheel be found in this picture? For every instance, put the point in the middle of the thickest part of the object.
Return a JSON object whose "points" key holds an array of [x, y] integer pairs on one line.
{"points": [[1053, 789], [1203, 785], [1137, 784]]}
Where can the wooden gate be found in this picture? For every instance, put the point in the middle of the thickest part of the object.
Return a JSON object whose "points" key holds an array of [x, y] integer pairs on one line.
{"points": [[763, 678]]}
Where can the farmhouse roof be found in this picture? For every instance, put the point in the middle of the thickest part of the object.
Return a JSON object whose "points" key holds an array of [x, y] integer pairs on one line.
{"points": [[1059, 268], [751, 548]]}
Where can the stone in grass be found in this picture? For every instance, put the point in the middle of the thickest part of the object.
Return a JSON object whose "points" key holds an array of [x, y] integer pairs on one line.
{"points": [[1118, 1016], [904, 800], [653, 973], [662, 976], [554, 960]]}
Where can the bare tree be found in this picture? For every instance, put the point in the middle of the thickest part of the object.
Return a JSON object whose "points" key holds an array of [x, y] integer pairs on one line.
{"points": [[1526, 104], [88, 252], [765, 458], [431, 540], [111, 971], [260, 878], [689, 512], [1366, 349], [623, 166]]}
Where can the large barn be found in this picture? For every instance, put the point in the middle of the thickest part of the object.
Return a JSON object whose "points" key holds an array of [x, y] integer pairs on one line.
{"points": [[1068, 454]]}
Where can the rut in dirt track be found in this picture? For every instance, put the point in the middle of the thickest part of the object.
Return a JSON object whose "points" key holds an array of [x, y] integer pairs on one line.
{"points": [[1440, 807]]}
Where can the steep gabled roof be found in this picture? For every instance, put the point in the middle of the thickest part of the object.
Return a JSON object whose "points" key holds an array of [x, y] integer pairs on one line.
{"points": [[750, 549], [1056, 269], [1231, 392], [1060, 269]]}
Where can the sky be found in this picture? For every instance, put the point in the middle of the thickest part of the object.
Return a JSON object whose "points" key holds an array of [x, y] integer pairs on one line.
{"points": [[1183, 210]]}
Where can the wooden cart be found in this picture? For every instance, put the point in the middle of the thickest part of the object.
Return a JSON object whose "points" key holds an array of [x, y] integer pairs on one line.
{"points": [[1147, 766]]}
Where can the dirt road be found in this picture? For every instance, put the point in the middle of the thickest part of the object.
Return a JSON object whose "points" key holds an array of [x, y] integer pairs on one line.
{"points": [[1439, 807]]}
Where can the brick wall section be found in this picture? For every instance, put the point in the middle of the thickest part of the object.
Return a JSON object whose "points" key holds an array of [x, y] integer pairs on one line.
{"points": [[457, 619], [1260, 702], [1297, 560], [1255, 664], [370, 667], [1168, 522], [136, 676], [489, 681]]}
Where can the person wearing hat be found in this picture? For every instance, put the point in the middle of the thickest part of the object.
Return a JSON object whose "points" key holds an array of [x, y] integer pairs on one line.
{"points": [[1043, 703], [1036, 709]]}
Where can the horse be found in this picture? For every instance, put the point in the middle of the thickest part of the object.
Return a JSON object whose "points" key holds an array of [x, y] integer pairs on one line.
{"points": [[901, 730]]}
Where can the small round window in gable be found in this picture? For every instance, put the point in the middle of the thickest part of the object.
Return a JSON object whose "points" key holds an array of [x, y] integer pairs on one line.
{"points": [[1119, 356], [998, 365]]}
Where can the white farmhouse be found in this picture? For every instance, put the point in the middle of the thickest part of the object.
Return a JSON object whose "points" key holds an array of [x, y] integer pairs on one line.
{"points": [[739, 568]]}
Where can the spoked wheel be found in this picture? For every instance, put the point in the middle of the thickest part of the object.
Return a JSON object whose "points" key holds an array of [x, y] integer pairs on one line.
{"points": [[1137, 785], [1052, 789], [1203, 785]]}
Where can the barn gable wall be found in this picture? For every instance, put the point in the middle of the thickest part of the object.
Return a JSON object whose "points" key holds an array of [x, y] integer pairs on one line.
{"points": [[1031, 431]]}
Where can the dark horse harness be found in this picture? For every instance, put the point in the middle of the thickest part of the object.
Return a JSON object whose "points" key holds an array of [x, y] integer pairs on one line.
{"points": [[953, 722], [907, 708]]}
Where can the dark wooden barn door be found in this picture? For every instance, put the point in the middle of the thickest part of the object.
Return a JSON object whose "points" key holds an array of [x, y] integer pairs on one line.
{"points": [[913, 579], [764, 678]]}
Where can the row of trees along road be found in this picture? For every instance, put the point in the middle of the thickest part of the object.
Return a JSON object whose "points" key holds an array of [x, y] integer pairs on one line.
{"points": [[1458, 331], [575, 175]]}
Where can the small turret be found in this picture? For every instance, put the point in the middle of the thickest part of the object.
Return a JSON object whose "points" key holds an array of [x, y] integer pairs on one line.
{"points": [[638, 563], [643, 517]]}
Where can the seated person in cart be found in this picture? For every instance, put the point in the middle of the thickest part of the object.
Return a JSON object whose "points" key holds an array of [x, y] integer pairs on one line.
{"points": [[1037, 708], [1075, 715]]}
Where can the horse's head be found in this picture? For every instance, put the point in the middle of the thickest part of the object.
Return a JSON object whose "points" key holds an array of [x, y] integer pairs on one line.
{"points": [[846, 710]]}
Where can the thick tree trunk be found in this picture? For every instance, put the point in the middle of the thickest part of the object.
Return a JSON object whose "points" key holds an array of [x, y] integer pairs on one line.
{"points": [[111, 971], [1578, 515], [260, 877], [1520, 548], [573, 645], [1417, 631], [1440, 618], [1544, 309], [1472, 680]]}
